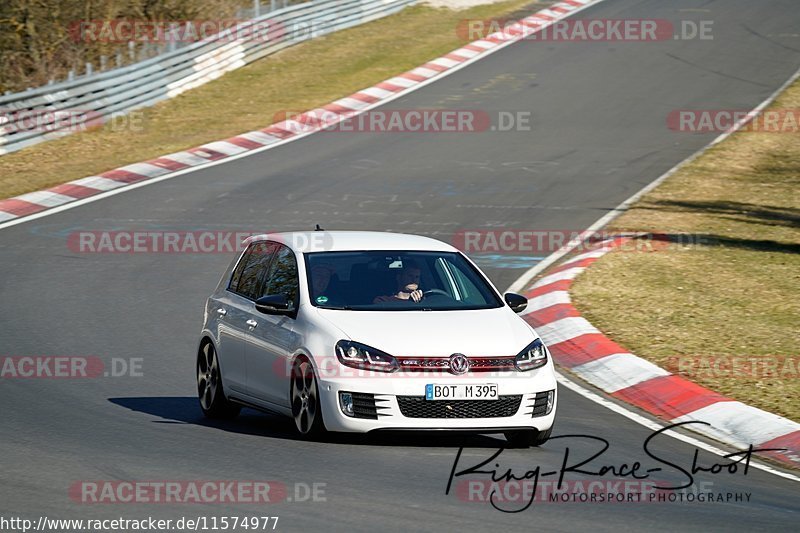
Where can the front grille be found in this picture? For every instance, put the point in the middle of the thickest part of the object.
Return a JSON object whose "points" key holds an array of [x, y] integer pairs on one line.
{"points": [[364, 406], [419, 407], [476, 364], [486, 364]]}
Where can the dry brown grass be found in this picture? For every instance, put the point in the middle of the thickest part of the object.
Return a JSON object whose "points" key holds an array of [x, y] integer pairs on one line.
{"points": [[737, 294]]}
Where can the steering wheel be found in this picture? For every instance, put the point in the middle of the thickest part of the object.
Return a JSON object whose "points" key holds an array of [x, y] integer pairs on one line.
{"points": [[435, 291]]}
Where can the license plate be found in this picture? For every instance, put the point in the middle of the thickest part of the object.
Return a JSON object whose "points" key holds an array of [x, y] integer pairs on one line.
{"points": [[461, 391]]}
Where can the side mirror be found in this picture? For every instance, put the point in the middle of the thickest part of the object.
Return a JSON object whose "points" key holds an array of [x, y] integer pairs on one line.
{"points": [[275, 304], [516, 302]]}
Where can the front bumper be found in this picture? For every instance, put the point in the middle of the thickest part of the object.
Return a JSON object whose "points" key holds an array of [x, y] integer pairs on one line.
{"points": [[390, 390]]}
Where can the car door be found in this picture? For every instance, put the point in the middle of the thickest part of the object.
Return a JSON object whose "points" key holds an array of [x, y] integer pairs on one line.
{"points": [[273, 340], [235, 310]]}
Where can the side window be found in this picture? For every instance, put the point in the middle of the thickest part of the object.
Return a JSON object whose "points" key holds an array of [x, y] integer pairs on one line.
{"points": [[237, 272], [247, 278], [282, 278]]}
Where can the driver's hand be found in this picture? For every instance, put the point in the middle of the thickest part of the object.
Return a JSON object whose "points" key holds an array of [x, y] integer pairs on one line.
{"points": [[415, 295]]}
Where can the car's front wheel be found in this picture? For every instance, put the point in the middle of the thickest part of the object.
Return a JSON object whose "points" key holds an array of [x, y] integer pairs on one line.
{"points": [[525, 438], [213, 402], [306, 409]]}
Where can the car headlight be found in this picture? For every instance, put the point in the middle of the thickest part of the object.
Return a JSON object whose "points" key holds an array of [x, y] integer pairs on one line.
{"points": [[357, 355], [533, 356]]}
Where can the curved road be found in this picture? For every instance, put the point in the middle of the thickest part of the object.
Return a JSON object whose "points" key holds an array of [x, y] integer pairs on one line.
{"points": [[598, 135]]}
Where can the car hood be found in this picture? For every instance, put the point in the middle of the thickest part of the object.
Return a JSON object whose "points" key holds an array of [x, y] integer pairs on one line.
{"points": [[485, 332]]}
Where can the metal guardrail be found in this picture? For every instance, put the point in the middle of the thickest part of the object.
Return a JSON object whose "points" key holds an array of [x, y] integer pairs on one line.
{"points": [[52, 111]]}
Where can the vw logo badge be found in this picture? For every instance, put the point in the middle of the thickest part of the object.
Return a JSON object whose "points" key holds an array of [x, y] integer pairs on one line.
{"points": [[459, 363]]}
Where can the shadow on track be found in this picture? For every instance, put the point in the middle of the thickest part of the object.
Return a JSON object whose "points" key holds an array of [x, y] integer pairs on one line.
{"points": [[185, 410], [732, 210]]}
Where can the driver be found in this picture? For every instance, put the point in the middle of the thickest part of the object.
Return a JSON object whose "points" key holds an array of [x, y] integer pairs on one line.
{"points": [[407, 284], [324, 285], [321, 277]]}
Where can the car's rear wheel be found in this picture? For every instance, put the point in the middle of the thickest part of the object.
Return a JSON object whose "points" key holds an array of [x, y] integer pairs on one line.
{"points": [[525, 438], [213, 402], [306, 409]]}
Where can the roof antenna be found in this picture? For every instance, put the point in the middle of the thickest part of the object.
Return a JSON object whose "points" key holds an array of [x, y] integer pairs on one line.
{"points": [[318, 228]]}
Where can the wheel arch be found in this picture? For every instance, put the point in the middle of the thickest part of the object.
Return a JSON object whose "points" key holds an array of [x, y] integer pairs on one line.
{"points": [[297, 355]]}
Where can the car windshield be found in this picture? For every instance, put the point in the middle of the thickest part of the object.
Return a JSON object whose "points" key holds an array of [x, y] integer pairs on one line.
{"points": [[397, 281]]}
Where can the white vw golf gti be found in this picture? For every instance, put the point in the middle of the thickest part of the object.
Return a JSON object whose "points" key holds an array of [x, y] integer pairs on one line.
{"points": [[362, 331]]}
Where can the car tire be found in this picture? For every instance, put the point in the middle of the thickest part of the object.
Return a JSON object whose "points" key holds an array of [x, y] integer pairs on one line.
{"points": [[525, 438], [304, 396], [210, 393]]}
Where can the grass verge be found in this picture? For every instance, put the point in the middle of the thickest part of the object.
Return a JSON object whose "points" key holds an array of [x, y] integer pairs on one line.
{"points": [[299, 78], [724, 313]]}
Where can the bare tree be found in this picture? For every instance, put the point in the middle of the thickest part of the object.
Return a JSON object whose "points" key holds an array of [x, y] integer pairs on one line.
{"points": [[41, 39]]}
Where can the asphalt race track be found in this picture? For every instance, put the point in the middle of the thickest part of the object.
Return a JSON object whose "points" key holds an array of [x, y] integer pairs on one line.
{"points": [[599, 134]]}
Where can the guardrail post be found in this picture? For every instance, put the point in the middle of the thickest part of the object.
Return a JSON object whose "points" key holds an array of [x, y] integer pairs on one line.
{"points": [[172, 36], [89, 69], [272, 5], [256, 8]]}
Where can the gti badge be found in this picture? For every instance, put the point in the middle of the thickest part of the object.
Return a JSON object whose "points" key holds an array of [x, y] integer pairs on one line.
{"points": [[459, 363]]}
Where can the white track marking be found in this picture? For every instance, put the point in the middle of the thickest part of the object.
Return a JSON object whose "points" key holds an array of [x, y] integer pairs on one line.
{"points": [[546, 300], [48, 198], [730, 419], [567, 274], [98, 182], [224, 147], [618, 371], [565, 329]]}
